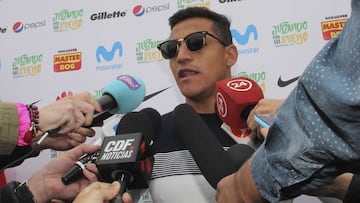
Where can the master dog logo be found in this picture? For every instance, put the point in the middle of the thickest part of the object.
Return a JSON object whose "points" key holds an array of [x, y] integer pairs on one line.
{"points": [[332, 26], [67, 60]]}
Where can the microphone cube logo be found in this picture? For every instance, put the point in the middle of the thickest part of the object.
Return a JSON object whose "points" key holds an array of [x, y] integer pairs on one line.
{"points": [[120, 149]]}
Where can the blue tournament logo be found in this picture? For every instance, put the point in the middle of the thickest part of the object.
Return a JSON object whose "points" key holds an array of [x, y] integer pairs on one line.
{"points": [[243, 39], [138, 10], [108, 56]]}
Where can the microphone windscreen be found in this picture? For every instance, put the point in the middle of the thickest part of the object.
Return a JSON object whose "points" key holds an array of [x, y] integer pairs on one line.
{"points": [[146, 121], [127, 90], [235, 98], [212, 160], [239, 153]]}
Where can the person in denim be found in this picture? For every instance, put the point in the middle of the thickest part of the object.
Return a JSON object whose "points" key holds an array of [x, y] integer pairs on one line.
{"points": [[316, 134]]}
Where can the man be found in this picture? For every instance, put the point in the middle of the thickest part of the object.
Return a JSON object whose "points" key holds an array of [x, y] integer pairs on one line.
{"points": [[200, 53], [315, 136]]}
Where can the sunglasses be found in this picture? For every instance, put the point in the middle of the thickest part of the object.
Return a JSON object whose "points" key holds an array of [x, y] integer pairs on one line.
{"points": [[193, 42]]}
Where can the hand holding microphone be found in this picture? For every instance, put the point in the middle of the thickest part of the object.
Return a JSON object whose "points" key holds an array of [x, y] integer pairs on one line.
{"points": [[80, 112], [235, 98], [124, 157]]}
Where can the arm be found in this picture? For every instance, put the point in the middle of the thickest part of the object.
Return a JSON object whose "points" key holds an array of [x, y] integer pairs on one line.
{"points": [[9, 123], [232, 189]]}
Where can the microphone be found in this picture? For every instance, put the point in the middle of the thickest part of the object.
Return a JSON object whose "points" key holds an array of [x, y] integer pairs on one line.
{"points": [[128, 126], [121, 95], [125, 157], [235, 98], [214, 162]]}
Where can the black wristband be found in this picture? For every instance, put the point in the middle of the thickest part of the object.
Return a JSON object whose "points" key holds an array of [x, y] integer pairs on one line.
{"points": [[16, 192], [353, 194]]}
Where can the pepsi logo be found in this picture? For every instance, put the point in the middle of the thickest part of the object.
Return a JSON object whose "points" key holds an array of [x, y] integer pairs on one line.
{"points": [[138, 10], [18, 27], [240, 85]]}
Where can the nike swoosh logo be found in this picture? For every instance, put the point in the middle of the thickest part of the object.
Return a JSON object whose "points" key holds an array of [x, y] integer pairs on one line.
{"points": [[154, 94], [282, 83]]}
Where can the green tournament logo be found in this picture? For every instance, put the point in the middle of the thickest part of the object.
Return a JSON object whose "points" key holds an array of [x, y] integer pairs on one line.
{"points": [[146, 51], [290, 33], [27, 65]]}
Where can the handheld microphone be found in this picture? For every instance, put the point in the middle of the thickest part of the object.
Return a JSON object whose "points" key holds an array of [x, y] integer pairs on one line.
{"points": [[124, 157], [235, 98], [75, 172], [121, 95], [213, 161]]}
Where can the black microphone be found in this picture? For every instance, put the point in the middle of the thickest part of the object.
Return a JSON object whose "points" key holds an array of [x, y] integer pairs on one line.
{"points": [[125, 157], [213, 161], [239, 153], [149, 120]]}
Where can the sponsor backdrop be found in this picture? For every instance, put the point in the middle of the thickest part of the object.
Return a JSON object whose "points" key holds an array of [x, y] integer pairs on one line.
{"points": [[51, 49]]}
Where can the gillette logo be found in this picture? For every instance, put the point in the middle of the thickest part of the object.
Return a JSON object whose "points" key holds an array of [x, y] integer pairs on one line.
{"points": [[140, 10], [119, 149]]}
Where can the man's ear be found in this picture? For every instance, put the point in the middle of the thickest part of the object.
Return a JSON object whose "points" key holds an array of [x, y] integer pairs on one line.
{"points": [[231, 55]]}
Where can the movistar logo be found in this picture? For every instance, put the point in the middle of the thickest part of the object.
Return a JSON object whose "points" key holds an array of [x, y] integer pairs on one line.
{"points": [[243, 39], [109, 55]]}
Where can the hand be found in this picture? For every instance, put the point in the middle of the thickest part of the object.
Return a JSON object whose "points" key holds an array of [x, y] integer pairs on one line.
{"points": [[239, 187], [264, 106], [46, 184], [337, 188], [99, 192], [70, 115]]}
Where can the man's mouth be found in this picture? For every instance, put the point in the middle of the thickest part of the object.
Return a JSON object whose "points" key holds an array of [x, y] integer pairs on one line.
{"points": [[186, 73]]}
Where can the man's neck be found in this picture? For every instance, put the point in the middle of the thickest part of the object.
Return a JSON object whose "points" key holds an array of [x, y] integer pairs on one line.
{"points": [[205, 107]]}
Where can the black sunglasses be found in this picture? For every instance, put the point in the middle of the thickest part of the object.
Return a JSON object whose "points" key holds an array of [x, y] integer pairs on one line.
{"points": [[194, 42]]}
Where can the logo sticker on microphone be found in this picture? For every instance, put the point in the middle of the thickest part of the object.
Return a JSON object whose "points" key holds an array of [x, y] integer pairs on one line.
{"points": [[240, 85], [129, 81], [221, 105], [120, 149]]}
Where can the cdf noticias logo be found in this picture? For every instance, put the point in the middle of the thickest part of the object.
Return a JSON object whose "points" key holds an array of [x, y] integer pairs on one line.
{"points": [[67, 60], [140, 10]]}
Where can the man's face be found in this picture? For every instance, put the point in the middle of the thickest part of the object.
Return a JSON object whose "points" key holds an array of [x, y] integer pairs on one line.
{"points": [[196, 72]]}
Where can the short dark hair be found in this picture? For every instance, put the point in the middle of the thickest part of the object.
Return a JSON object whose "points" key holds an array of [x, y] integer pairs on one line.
{"points": [[221, 22]]}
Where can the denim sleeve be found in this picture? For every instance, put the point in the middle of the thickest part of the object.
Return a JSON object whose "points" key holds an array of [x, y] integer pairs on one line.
{"points": [[316, 133]]}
